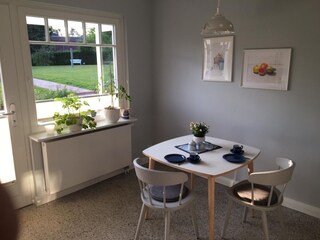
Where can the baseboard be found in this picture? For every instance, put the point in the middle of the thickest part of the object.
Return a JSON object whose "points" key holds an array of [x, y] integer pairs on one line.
{"points": [[45, 198], [225, 181], [301, 207], [287, 202]]}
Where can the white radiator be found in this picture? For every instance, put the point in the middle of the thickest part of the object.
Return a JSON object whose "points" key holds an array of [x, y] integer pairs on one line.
{"points": [[70, 163]]}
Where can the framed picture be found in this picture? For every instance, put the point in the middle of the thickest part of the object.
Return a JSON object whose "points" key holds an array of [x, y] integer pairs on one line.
{"points": [[266, 68], [217, 61]]}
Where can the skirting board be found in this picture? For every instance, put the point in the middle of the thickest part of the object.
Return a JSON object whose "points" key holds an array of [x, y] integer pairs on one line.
{"points": [[301, 207], [287, 202], [50, 197]]}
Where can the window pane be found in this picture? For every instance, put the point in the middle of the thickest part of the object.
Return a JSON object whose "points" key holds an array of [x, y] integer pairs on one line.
{"points": [[91, 33], [75, 31], [54, 76], [36, 28], [106, 34], [57, 30], [109, 70]]}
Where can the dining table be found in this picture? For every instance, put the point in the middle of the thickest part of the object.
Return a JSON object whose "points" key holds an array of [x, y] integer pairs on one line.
{"points": [[212, 162]]}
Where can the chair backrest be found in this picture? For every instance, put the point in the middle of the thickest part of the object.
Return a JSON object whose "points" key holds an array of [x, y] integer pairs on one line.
{"points": [[155, 177], [275, 177], [279, 177], [150, 177]]}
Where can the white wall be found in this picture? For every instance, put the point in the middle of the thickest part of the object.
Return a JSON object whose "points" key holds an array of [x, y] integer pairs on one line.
{"points": [[280, 123]]}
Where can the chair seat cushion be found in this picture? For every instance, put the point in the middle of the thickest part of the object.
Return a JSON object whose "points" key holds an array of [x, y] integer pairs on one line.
{"points": [[172, 193], [261, 193]]}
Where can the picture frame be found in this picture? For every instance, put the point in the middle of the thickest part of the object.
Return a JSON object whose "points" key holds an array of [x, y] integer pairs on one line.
{"points": [[218, 59], [266, 68]]}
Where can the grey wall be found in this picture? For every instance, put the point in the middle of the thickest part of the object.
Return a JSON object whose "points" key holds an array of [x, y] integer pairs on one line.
{"points": [[137, 17], [280, 123]]}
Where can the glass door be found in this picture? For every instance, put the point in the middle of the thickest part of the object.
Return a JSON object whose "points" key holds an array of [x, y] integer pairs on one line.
{"points": [[14, 169]]}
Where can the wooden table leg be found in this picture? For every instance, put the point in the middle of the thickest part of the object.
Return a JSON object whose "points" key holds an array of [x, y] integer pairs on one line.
{"points": [[211, 192], [192, 181], [250, 167], [151, 163]]}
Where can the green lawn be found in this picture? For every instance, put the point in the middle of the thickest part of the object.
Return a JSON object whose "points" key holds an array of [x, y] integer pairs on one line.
{"points": [[84, 76]]}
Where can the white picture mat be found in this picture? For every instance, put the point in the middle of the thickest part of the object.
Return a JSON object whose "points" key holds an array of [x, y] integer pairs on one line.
{"points": [[277, 58], [215, 49]]}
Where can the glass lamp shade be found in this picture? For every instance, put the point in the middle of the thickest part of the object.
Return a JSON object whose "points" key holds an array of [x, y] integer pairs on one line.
{"points": [[218, 25]]}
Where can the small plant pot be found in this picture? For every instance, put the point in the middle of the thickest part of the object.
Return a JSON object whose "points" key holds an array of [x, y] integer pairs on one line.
{"points": [[112, 115], [76, 127], [198, 139], [125, 113]]}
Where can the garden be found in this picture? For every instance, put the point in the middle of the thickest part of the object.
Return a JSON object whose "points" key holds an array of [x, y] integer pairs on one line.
{"points": [[82, 76]]}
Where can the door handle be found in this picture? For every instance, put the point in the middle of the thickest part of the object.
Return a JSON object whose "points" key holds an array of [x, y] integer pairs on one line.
{"points": [[11, 114], [8, 113]]}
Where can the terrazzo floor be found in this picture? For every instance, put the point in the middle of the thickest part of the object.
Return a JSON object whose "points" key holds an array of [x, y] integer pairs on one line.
{"points": [[110, 210]]}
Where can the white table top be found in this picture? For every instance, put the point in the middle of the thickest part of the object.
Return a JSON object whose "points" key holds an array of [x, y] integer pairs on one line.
{"points": [[212, 162]]}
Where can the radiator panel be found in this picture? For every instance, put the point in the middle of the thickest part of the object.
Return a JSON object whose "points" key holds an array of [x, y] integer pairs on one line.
{"points": [[71, 161]]}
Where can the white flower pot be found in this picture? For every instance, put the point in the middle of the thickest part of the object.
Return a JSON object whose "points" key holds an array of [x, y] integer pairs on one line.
{"points": [[198, 139], [112, 115], [76, 127]]}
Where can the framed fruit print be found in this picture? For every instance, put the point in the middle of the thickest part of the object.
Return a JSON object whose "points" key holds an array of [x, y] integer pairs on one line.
{"points": [[266, 68]]}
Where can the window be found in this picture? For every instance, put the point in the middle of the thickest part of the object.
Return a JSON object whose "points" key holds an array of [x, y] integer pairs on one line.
{"points": [[77, 53]]}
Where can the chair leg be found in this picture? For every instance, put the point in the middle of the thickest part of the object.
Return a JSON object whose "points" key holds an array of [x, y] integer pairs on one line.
{"points": [[245, 213], [141, 220], [265, 224], [167, 225], [226, 221], [194, 221]]}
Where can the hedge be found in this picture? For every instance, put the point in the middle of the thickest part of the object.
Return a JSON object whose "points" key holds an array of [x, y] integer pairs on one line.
{"points": [[47, 55]]}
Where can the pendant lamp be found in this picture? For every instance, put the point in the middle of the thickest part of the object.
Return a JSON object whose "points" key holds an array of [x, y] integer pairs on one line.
{"points": [[218, 25]]}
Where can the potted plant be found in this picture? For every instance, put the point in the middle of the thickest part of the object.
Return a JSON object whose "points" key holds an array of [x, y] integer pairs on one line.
{"points": [[123, 95], [112, 113], [199, 131], [74, 119]]}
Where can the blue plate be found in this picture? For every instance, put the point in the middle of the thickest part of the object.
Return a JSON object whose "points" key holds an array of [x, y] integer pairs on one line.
{"points": [[175, 158], [234, 158]]}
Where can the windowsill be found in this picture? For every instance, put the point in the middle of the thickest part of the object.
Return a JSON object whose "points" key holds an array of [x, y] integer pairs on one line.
{"points": [[98, 118], [44, 137]]}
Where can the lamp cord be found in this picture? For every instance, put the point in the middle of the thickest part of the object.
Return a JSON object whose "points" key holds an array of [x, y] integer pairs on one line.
{"points": [[218, 8]]}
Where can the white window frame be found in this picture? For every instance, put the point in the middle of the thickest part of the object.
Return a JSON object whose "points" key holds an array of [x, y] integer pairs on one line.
{"points": [[76, 14]]}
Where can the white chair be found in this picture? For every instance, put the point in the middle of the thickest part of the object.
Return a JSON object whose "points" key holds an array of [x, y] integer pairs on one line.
{"points": [[262, 191], [164, 191]]}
